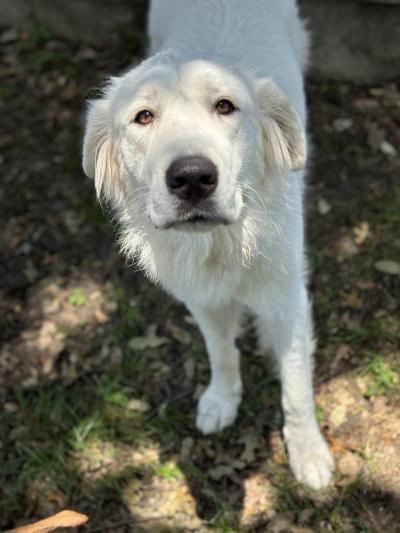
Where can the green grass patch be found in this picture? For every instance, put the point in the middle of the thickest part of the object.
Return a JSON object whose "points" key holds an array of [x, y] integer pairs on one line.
{"points": [[320, 414], [369, 333], [383, 378], [77, 297], [168, 471]]}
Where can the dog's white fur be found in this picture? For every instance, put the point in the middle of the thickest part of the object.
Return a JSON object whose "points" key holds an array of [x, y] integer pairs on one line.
{"points": [[253, 53]]}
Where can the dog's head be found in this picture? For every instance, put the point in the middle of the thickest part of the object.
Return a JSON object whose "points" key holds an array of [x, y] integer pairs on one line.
{"points": [[185, 138]]}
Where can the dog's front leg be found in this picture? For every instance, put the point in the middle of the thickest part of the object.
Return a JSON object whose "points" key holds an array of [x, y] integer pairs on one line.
{"points": [[219, 403], [291, 336]]}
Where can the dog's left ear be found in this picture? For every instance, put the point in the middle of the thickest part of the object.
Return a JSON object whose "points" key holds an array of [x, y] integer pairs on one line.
{"points": [[284, 136], [100, 160]]}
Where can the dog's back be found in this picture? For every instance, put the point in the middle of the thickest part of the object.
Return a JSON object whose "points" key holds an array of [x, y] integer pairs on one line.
{"points": [[266, 35]]}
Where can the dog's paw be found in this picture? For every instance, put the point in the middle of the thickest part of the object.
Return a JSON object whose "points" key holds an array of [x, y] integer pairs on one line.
{"points": [[310, 460], [216, 411]]}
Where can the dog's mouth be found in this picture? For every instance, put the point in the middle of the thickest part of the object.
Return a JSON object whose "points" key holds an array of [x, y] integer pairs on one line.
{"points": [[201, 217], [195, 220]]}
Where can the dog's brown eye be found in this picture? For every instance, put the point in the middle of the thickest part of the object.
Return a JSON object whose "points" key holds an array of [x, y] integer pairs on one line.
{"points": [[144, 117], [224, 107]]}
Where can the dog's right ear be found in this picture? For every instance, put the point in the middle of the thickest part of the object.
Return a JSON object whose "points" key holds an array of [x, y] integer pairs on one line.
{"points": [[100, 160], [283, 133]]}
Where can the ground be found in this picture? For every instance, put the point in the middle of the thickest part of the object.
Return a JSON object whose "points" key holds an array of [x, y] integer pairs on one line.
{"points": [[100, 370]]}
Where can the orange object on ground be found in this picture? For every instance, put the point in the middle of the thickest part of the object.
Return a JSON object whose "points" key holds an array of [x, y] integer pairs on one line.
{"points": [[63, 519]]}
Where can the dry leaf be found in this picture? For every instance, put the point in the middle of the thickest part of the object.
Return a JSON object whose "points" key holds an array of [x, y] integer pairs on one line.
{"points": [[149, 341], [387, 266], [220, 471], [335, 445], [63, 519], [141, 406], [178, 333], [323, 207], [251, 443], [342, 124], [351, 299], [361, 233], [388, 149]]}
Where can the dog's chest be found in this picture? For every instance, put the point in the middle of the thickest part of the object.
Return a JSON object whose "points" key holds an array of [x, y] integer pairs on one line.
{"points": [[205, 274]]}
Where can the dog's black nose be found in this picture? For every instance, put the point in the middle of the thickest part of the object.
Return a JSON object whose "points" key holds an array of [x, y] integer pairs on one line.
{"points": [[192, 178]]}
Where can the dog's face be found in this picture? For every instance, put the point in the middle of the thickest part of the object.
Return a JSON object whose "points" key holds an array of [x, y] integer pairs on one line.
{"points": [[185, 139]]}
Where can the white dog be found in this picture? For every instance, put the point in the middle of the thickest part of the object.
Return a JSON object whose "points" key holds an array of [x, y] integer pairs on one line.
{"points": [[200, 150]]}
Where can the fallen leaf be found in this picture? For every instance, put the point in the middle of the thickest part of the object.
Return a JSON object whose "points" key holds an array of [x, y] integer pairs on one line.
{"points": [[387, 266], [218, 472], [323, 207], [342, 124], [251, 443], [141, 406], [335, 445], [388, 149], [351, 299], [178, 333], [63, 519], [143, 343], [361, 233]]}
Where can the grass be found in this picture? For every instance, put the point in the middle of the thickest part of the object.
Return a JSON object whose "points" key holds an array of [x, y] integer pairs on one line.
{"points": [[61, 425], [360, 335], [168, 471], [77, 297], [383, 377]]}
